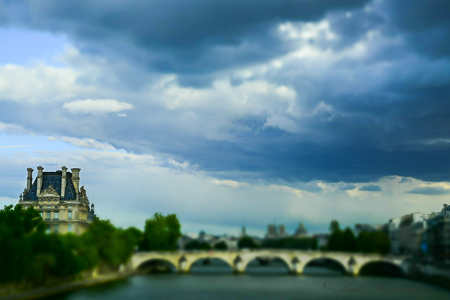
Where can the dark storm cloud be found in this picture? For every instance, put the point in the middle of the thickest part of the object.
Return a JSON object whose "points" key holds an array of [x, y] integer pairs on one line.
{"points": [[389, 107], [371, 188], [176, 35], [425, 23], [430, 191], [347, 187]]}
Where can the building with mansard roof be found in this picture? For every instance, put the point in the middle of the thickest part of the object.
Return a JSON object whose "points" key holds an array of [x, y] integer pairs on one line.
{"points": [[62, 204]]}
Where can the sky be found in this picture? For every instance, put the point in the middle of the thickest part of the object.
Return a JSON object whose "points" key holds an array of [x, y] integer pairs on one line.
{"points": [[231, 113]]}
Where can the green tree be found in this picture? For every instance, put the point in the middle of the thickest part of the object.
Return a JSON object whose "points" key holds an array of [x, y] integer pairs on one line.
{"points": [[335, 242], [305, 243], [161, 233], [20, 221], [373, 242], [348, 240], [196, 245], [221, 246], [334, 225], [114, 246], [16, 227], [247, 242]]}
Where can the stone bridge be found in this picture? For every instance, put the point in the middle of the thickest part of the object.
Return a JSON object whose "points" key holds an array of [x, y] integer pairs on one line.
{"points": [[238, 260]]}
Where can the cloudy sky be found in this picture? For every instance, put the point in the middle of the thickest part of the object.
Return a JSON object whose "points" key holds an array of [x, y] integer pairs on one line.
{"points": [[231, 112]]}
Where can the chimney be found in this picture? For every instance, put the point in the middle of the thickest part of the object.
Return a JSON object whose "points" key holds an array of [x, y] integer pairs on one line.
{"points": [[76, 178], [29, 179], [39, 180], [63, 181]]}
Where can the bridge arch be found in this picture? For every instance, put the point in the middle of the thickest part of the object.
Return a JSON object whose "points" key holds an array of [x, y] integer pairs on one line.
{"points": [[380, 267], [287, 261], [330, 262], [153, 263], [192, 263]]}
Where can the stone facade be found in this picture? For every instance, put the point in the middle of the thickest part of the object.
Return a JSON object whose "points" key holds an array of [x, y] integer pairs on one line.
{"points": [[63, 206], [438, 236], [275, 233]]}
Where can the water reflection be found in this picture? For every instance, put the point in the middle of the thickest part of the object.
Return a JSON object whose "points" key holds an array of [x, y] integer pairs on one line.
{"points": [[248, 286], [211, 266]]}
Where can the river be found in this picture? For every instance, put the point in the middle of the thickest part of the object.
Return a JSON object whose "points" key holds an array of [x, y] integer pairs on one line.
{"points": [[217, 282]]}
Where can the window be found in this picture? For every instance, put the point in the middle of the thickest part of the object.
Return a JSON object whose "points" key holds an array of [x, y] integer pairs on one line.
{"points": [[49, 206], [70, 206], [48, 229], [40, 207], [55, 215], [69, 215], [47, 216], [55, 228], [69, 227], [42, 214], [56, 206]]}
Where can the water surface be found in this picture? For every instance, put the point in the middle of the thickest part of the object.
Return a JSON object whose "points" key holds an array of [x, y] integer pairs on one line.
{"points": [[216, 282]]}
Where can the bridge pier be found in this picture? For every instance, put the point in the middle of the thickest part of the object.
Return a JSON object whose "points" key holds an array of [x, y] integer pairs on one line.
{"points": [[183, 267], [239, 268], [297, 269]]}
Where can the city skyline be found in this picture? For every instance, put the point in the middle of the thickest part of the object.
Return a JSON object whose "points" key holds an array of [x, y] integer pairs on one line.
{"points": [[295, 112]]}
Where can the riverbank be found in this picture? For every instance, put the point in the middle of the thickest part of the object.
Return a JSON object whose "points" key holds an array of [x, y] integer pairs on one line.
{"points": [[52, 290]]}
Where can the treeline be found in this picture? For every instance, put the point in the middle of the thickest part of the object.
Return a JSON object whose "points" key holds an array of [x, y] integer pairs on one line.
{"points": [[304, 243], [31, 257], [247, 242], [339, 240], [366, 241], [197, 245]]}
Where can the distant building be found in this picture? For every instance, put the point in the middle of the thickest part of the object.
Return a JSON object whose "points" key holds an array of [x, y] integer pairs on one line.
{"points": [[282, 231], [300, 231], [63, 206], [410, 232], [273, 233], [407, 234], [438, 235], [243, 232], [393, 235]]}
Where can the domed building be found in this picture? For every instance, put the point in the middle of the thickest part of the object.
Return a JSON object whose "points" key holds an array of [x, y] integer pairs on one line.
{"points": [[62, 204], [301, 231]]}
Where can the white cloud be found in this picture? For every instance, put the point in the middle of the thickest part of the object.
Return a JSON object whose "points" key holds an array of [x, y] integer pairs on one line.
{"points": [[182, 165], [39, 83], [231, 183], [97, 106], [85, 143]]}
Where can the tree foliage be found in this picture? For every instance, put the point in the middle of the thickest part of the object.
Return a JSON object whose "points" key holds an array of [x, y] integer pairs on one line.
{"points": [[221, 246], [161, 233], [33, 256], [366, 242], [305, 243], [247, 242], [197, 245]]}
